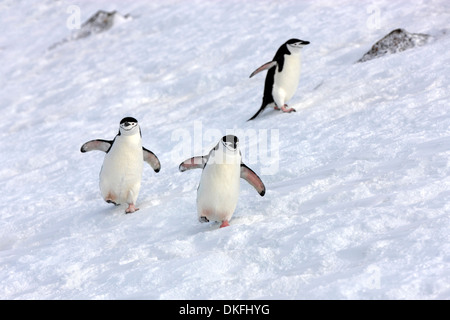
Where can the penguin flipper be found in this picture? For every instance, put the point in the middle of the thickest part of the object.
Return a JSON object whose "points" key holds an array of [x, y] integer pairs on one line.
{"points": [[101, 145], [193, 163], [151, 159], [265, 66], [251, 177]]}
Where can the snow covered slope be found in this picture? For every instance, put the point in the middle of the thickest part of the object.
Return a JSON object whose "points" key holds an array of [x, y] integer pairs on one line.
{"points": [[357, 203]]}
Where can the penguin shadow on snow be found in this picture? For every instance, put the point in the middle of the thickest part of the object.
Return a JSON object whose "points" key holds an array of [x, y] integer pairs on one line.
{"points": [[241, 219], [246, 219], [240, 222]]}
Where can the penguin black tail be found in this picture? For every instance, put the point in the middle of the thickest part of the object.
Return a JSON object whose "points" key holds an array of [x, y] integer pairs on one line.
{"points": [[257, 113]]}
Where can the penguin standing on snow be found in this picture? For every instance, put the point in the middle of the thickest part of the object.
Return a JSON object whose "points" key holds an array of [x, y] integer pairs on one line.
{"points": [[121, 173], [282, 76], [218, 191]]}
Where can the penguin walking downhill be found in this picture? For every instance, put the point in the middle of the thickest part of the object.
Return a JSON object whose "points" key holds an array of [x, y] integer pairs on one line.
{"points": [[121, 172], [218, 191], [282, 76]]}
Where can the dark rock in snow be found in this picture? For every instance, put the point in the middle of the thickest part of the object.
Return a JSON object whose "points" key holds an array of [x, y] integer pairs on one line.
{"points": [[99, 22], [396, 41]]}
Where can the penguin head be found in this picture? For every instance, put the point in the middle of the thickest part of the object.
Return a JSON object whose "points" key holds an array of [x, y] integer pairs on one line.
{"points": [[226, 151], [129, 126], [230, 142], [295, 45]]}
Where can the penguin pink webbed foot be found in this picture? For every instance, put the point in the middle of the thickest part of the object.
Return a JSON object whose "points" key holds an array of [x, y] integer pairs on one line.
{"points": [[224, 224], [284, 109], [131, 208]]}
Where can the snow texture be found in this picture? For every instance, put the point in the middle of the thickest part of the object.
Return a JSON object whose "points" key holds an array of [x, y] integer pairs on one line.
{"points": [[358, 187]]}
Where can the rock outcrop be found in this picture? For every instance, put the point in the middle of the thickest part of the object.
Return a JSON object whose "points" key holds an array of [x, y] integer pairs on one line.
{"points": [[99, 22], [396, 41]]}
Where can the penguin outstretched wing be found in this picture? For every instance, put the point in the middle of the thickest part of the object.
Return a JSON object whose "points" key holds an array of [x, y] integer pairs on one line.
{"points": [[98, 144], [198, 162], [251, 177], [105, 145], [151, 159], [265, 66]]}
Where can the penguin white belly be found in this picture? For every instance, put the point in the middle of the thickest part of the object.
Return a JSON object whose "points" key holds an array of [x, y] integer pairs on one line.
{"points": [[218, 192], [286, 81], [121, 173]]}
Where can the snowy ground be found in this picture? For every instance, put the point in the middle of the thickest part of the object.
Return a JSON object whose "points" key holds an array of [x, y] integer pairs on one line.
{"points": [[357, 203]]}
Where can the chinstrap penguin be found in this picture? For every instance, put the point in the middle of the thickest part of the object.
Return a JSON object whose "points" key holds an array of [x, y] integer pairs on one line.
{"points": [[218, 191], [282, 76], [121, 172]]}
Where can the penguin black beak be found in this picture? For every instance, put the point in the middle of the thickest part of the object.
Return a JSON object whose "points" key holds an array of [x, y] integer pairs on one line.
{"points": [[304, 42]]}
